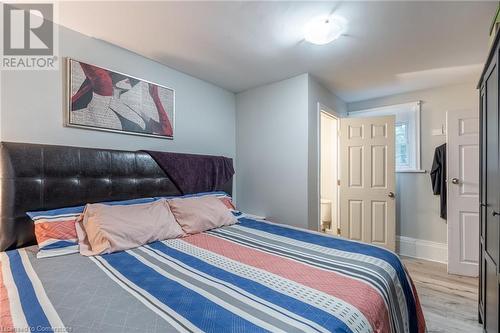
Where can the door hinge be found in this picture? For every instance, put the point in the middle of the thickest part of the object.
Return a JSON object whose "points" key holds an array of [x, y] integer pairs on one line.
{"points": [[338, 231], [338, 182]]}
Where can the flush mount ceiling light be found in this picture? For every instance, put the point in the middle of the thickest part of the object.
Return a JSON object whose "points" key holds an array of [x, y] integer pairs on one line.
{"points": [[324, 30]]}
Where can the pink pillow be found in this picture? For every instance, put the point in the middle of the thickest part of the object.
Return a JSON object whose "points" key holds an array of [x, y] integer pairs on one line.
{"points": [[108, 229], [199, 214]]}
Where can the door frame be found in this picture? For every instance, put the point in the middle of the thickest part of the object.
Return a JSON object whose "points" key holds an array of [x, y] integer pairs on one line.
{"points": [[321, 108]]}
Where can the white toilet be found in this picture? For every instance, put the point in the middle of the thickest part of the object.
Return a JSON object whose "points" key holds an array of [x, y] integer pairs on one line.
{"points": [[326, 214]]}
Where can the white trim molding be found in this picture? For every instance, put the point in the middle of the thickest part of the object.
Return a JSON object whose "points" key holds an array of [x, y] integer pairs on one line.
{"points": [[422, 249]]}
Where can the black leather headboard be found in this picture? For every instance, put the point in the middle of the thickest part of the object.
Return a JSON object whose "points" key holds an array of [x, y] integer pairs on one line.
{"points": [[40, 177]]}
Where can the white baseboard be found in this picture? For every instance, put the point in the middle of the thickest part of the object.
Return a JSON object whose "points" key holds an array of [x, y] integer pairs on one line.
{"points": [[422, 249]]}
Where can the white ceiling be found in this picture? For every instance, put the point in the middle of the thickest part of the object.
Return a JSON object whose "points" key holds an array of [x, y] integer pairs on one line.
{"points": [[389, 47]]}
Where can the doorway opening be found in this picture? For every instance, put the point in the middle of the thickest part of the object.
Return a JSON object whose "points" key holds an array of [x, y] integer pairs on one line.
{"points": [[329, 172], [356, 182]]}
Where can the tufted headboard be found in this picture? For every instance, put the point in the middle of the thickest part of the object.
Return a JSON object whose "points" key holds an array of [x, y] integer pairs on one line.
{"points": [[40, 177]]}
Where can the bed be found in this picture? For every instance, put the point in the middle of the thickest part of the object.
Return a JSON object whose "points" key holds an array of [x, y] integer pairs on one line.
{"points": [[249, 277]]}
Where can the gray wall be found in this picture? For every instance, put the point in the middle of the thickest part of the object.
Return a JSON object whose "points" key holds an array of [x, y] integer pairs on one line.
{"points": [[272, 151], [277, 149], [417, 208], [317, 94], [32, 104]]}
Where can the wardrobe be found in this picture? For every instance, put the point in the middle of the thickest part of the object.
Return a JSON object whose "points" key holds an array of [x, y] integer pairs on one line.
{"points": [[489, 193]]}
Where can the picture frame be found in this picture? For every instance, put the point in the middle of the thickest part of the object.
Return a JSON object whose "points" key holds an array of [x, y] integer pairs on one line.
{"points": [[102, 99]]}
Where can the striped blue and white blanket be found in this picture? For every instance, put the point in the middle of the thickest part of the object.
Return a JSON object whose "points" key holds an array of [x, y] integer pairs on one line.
{"points": [[254, 276]]}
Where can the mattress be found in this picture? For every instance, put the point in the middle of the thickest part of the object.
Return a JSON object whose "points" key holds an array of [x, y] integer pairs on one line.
{"points": [[254, 276]]}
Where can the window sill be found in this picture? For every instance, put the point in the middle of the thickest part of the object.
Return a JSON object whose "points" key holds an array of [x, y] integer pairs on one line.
{"points": [[411, 171]]}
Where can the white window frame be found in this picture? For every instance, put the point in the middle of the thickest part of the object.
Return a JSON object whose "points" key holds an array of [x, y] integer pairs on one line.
{"points": [[408, 113]]}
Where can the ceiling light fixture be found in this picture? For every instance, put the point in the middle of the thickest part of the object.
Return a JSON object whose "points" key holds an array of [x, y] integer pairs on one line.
{"points": [[324, 30]]}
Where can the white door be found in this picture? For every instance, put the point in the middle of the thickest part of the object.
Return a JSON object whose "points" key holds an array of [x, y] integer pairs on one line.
{"points": [[367, 200], [463, 192]]}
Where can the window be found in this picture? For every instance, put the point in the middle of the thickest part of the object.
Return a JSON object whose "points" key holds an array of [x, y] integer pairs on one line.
{"points": [[407, 132], [402, 160]]}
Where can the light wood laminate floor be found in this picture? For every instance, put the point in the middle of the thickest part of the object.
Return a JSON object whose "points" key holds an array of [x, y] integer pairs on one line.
{"points": [[449, 301]]}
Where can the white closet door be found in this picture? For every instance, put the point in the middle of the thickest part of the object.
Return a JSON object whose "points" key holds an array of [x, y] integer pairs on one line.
{"points": [[463, 192]]}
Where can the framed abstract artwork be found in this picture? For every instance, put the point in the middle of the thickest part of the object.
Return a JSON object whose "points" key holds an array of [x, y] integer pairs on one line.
{"points": [[106, 100]]}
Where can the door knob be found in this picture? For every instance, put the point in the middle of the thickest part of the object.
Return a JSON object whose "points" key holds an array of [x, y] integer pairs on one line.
{"points": [[455, 180], [495, 213], [391, 195]]}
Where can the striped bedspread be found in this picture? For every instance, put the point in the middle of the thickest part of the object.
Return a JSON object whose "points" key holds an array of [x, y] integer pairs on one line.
{"points": [[254, 276]]}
